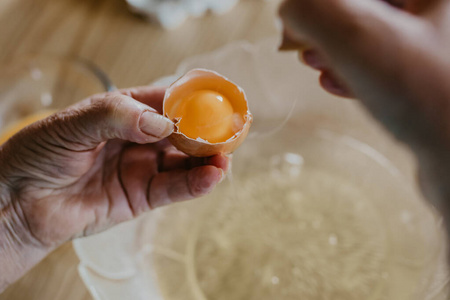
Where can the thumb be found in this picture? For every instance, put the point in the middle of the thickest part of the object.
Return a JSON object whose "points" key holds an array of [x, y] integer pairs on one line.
{"points": [[104, 117]]}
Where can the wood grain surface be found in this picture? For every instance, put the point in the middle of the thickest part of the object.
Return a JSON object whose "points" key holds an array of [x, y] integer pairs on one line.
{"points": [[132, 52]]}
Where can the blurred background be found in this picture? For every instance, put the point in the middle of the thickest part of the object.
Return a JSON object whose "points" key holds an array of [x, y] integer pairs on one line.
{"points": [[131, 51]]}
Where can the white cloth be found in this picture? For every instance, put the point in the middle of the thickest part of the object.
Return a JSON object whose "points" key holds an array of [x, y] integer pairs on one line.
{"points": [[172, 13]]}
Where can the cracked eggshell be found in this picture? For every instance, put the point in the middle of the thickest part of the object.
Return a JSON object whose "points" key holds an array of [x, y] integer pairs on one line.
{"points": [[202, 79]]}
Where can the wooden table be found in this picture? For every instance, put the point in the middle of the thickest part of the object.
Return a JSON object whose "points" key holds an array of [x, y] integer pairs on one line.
{"points": [[132, 52]]}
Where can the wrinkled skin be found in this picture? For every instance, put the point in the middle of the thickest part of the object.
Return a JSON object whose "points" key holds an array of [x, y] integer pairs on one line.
{"points": [[394, 56], [100, 162]]}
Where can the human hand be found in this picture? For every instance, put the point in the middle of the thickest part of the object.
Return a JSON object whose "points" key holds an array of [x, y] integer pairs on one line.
{"points": [[100, 162], [395, 58]]}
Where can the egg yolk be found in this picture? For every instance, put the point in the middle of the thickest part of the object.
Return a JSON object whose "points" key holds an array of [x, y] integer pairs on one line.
{"points": [[207, 115]]}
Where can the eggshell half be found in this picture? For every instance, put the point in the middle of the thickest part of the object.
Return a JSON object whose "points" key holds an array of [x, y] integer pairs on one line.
{"points": [[202, 79]]}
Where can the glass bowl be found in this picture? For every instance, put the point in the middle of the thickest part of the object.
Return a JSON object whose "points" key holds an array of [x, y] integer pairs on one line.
{"points": [[320, 204], [35, 83]]}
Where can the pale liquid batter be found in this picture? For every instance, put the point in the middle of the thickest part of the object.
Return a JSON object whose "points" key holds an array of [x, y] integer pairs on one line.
{"points": [[310, 236], [305, 239]]}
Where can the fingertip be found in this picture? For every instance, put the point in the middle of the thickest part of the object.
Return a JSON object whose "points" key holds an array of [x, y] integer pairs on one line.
{"points": [[155, 125], [202, 180], [333, 85], [221, 161], [313, 59]]}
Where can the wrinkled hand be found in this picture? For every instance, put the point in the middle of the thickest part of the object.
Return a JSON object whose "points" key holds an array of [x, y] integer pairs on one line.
{"points": [[98, 163], [395, 58]]}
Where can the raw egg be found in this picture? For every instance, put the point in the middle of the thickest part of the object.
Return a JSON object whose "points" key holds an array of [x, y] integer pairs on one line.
{"points": [[210, 113]]}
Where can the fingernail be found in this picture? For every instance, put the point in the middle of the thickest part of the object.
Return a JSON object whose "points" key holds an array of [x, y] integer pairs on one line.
{"points": [[154, 124]]}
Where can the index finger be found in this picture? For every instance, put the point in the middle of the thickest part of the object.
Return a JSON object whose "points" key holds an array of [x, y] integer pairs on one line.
{"points": [[150, 95]]}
